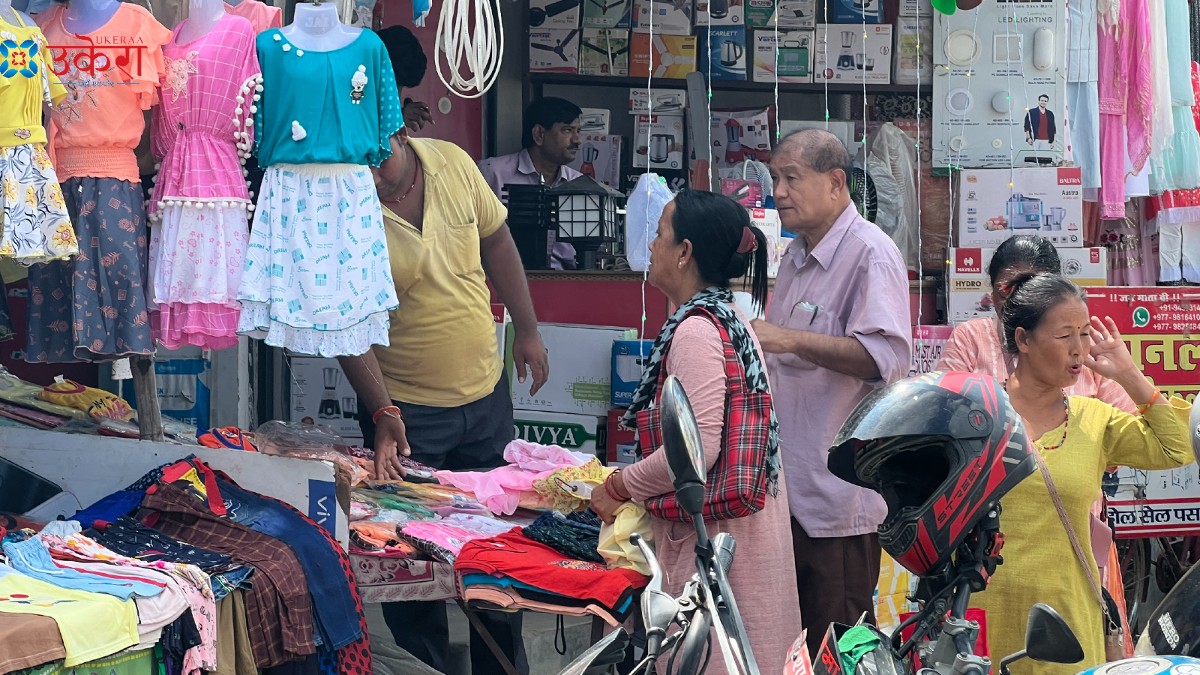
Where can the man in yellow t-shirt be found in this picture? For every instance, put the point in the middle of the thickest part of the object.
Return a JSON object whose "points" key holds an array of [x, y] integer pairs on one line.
{"points": [[439, 392]]}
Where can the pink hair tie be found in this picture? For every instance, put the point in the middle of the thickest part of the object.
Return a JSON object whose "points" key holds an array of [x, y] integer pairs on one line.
{"points": [[748, 244]]}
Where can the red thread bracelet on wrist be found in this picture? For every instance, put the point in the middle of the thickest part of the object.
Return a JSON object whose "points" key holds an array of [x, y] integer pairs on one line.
{"points": [[389, 410], [612, 493]]}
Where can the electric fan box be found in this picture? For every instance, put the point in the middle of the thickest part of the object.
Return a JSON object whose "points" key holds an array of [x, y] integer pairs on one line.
{"points": [[723, 53], [719, 13], [794, 60], [674, 55], [599, 156], [842, 55], [914, 51], [580, 379], [604, 52], [554, 51], [1046, 201], [790, 13], [968, 288], [856, 11], [545, 14], [658, 142], [663, 17], [607, 14], [665, 102]]}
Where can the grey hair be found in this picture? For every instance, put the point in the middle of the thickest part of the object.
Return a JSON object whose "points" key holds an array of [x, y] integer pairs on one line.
{"points": [[820, 150]]}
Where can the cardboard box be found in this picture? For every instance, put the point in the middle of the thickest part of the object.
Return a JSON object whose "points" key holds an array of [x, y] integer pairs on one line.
{"points": [[629, 358], [791, 13], [856, 11], [911, 8], [723, 54], [594, 121], [554, 51], [927, 345], [914, 51], [599, 156], [794, 58], [604, 51], [607, 13], [968, 289], [658, 142], [843, 130], [552, 14], [849, 58], [581, 433], [665, 102], [322, 394], [994, 204], [674, 55], [621, 443], [719, 13], [662, 17], [580, 369]]}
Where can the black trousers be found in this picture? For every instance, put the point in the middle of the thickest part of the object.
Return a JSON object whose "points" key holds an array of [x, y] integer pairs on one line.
{"points": [[836, 578], [472, 436]]}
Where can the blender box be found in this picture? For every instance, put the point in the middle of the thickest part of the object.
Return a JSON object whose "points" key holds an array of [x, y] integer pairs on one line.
{"points": [[581, 433], [662, 17], [604, 51], [658, 142], [666, 102], [544, 14], [793, 60], [914, 51], [968, 288], [856, 11], [674, 55], [321, 394], [791, 13], [927, 345], [719, 13], [629, 358], [599, 156], [554, 51], [846, 57], [994, 204], [723, 52], [580, 369], [607, 13], [594, 120]]}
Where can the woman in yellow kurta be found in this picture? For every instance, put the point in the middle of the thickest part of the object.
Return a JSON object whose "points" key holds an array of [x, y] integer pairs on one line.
{"points": [[1046, 322]]}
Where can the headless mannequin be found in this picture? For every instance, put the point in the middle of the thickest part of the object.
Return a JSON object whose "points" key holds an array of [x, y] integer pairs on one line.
{"points": [[12, 16], [203, 15], [317, 28], [87, 16]]}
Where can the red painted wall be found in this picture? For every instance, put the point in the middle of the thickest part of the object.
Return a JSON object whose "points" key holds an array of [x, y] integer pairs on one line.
{"points": [[463, 126], [606, 301]]}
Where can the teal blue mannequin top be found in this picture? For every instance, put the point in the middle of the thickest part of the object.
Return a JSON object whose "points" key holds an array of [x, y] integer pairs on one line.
{"points": [[345, 102]]}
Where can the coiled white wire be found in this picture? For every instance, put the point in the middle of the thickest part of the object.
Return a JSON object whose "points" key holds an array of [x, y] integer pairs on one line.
{"points": [[471, 40]]}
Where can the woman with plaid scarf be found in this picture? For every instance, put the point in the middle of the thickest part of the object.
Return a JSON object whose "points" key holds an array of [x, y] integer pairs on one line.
{"points": [[705, 240]]}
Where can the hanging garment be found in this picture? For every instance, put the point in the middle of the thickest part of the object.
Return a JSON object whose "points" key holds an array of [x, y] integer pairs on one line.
{"points": [[1125, 88], [1083, 108], [1179, 166], [200, 199], [36, 225], [1162, 122], [317, 279]]}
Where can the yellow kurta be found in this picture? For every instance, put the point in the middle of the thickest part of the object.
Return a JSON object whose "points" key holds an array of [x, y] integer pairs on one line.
{"points": [[1039, 562]]}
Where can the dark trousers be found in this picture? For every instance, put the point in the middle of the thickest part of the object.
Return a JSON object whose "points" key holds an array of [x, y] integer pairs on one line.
{"points": [[472, 436], [836, 578]]}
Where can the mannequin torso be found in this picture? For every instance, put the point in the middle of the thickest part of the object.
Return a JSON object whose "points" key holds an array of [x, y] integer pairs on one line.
{"points": [[12, 16], [316, 28], [87, 16], [203, 15]]}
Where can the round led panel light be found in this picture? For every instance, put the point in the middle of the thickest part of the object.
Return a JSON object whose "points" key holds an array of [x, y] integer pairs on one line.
{"points": [[963, 48], [959, 102]]}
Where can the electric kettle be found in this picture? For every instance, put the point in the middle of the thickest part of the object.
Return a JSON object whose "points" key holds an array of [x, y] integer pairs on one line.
{"points": [[718, 9], [661, 147], [731, 53]]}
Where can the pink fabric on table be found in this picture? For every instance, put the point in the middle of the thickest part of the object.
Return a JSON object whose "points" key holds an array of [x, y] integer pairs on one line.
{"points": [[501, 488], [534, 457], [974, 347], [764, 540], [1126, 89]]}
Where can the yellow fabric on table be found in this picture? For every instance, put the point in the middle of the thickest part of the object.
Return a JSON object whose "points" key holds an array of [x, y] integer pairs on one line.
{"points": [[614, 545], [1039, 562]]}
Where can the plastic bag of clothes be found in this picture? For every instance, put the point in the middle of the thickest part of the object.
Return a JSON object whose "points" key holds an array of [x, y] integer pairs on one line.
{"points": [[642, 212], [309, 441]]}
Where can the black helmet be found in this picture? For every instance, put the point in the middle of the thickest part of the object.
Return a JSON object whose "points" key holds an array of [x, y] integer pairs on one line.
{"points": [[941, 448]]}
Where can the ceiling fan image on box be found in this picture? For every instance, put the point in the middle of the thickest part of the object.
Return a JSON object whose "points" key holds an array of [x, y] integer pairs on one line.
{"points": [[559, 47], [538, 15], [664, 60], [607, 50]]}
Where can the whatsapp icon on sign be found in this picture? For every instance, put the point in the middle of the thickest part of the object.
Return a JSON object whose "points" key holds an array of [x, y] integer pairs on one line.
{"points": [[1141, 317]]}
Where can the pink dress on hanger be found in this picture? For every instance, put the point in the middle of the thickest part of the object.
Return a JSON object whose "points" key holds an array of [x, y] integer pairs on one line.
{"points": [[200, 201], [1126, 89]]}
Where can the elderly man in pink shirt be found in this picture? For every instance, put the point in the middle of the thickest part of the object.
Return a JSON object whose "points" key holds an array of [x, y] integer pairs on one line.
{"points": [[836, 327]]}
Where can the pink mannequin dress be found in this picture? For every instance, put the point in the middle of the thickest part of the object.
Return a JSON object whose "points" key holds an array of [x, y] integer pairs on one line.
{"points": [[200, 203], [1125, 87]]}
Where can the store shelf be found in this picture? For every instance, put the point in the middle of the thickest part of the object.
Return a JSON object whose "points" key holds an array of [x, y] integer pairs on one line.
{"points": [[721, 85]]}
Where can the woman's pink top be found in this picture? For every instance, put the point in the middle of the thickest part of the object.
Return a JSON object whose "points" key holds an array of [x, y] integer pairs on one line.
{"points": [[192, 130]]}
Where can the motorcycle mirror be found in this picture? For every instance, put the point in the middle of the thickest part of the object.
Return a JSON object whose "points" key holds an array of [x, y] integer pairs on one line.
{"points": [[1049, 639], [600, 658], [681, 442]]}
